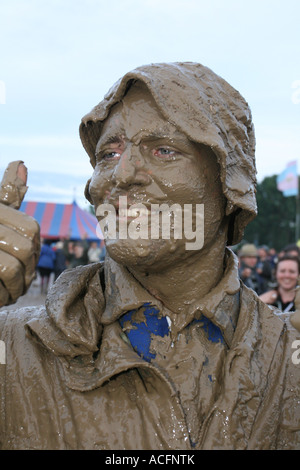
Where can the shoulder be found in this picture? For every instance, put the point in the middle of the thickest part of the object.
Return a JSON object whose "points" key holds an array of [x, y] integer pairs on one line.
{"points": [[275, 327], [16, 344], [264, 319], [16, 319]]}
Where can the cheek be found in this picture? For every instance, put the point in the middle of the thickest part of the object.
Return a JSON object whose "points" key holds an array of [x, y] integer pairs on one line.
{"points": [[286, 277], [206, 177], [181, 183]]}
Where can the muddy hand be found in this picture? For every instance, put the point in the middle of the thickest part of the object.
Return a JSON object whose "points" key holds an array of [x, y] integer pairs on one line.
{"points": [[19, 236]]}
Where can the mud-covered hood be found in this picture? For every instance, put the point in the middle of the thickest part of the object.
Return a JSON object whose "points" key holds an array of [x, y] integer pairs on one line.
{"points": [[209, 111]]}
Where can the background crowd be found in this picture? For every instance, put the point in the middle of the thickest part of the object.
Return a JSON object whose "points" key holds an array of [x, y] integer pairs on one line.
{"points": [[57, 256], [273, 276]]}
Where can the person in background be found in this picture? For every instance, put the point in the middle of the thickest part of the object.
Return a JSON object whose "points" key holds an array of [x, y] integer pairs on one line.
{"points": [[76, 253], [94, 253], [264, 266], [248, 257], [45, 264], [273, 258], [292, 249], [287, 275]]}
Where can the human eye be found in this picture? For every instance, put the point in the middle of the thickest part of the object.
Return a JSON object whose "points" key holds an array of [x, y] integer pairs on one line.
{"points": [[111, 155], [108, 155], [110, 149], [165, 153]]}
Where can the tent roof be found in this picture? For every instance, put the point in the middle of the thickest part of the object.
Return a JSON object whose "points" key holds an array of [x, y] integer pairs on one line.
{"points": [[63, 220]]}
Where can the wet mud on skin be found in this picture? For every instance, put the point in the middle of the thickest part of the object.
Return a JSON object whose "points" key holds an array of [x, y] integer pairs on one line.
{"points": [[213, 369], [33, 297], [20, 238]]}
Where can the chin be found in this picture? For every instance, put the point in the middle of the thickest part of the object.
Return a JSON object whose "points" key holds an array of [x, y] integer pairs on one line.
{"points": [[148, 255]]}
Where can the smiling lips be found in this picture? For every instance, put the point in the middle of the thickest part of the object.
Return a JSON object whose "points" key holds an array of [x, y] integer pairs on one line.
{"points": [[124, 209], [133, 213]]}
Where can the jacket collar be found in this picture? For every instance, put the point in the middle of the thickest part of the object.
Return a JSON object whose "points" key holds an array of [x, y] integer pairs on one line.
{"points": [[79, 324], [221, 305]]}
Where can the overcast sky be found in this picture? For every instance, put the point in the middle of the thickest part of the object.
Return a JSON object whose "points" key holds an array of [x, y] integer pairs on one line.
{"points": [[59, 58]]}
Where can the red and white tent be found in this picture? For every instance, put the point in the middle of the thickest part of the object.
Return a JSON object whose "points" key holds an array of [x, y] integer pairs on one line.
{"points": [[63, 220]]}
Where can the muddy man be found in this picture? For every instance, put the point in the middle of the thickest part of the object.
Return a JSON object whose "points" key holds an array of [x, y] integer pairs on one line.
{"points": [[160, 347]]}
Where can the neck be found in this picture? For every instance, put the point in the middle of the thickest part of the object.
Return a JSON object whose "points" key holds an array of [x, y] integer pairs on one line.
{"points": [[179, 286], [286, 295]]}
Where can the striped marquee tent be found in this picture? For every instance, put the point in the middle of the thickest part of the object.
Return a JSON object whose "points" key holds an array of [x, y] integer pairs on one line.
{"points": [[63, 220]]}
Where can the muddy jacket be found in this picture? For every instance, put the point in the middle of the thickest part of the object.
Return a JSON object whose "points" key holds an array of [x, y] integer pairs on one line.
{"points": [[105, 366]]}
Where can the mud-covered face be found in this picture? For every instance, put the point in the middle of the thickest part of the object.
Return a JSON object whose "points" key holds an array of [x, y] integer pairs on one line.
{"points": [[143, 159]]}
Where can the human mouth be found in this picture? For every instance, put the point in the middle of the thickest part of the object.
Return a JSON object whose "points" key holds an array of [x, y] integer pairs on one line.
{"points": [[126, 208], [131, 213], [288, 283]]}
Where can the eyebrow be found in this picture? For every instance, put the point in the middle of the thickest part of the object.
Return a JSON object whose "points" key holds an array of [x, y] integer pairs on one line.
{"points": [[115, 139], [161, 135], [104, 141], [176, 140]]}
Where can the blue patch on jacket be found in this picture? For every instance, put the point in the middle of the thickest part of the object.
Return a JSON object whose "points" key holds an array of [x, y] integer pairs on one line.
{"points": [[140, 335], [214, 334]]}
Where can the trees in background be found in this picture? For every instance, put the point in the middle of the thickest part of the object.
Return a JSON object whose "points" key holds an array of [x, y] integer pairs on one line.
{"points": [[275, 224]]}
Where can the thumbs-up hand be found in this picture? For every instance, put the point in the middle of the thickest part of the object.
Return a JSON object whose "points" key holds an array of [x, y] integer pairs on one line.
{"points": [[19, 236]]}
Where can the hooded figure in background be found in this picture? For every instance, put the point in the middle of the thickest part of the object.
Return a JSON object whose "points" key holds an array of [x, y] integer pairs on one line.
{"points": [[162, 346]]}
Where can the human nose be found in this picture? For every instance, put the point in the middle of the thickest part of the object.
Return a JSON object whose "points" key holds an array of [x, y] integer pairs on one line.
{"points": [[130, 168]]}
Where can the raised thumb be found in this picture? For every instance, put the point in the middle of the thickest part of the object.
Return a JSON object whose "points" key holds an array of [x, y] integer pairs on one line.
{"points": [[13, 186]]}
